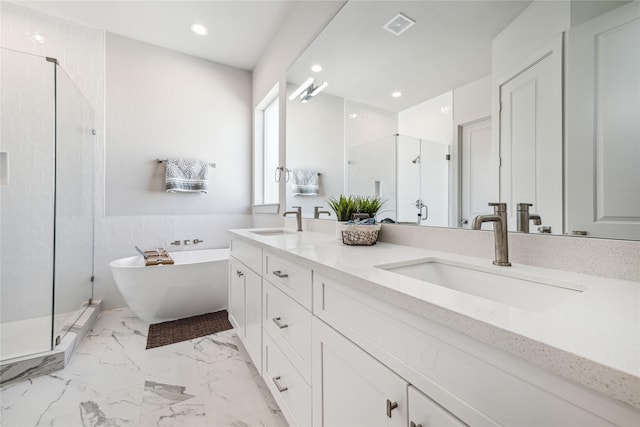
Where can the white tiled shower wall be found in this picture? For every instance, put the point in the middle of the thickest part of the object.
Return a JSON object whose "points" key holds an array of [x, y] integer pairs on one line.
{"points": [[81, 52]]}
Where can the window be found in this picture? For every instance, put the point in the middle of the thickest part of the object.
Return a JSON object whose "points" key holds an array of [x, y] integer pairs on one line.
{"points": [[271, 152], [267, 149]]}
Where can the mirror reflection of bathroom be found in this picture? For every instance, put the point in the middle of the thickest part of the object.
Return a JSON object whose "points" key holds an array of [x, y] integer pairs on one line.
{"points": [[508, 108]]}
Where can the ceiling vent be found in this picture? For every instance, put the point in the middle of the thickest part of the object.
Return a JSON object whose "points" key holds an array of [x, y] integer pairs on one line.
{"points": [[399, 24]]}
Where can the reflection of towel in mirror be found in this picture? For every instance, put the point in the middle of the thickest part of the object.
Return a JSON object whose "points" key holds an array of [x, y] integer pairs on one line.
{"points": [[186, 176], [304, 182]]}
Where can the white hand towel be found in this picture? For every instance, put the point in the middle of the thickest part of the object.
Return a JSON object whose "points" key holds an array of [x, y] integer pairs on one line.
{"points": [[186, 176], [304, 182]]}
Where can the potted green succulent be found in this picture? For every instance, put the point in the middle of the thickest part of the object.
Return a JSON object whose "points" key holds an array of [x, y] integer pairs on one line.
{"points": [[343, 206], [369, 205], [346, 206]]}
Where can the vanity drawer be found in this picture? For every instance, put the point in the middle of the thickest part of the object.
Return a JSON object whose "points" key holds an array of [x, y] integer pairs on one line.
{"points": [[292, 279], [249, 255], [289, 389], [480, 384], [289, 324]]}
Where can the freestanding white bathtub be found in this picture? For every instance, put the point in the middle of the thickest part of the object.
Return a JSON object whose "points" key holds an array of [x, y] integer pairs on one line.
{"points": [[197, 283]]}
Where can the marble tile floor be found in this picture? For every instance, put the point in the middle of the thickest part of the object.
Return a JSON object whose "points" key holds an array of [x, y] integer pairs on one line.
{"points": [[113, 381]]}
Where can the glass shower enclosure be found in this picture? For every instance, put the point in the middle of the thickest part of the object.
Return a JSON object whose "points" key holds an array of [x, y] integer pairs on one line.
{"points": [[410, 174], [47, 149]]}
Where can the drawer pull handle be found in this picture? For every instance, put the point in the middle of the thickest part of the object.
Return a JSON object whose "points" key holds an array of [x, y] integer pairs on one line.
{"points": [[239, 273], [279, 324], [390, 407], [280, 387], [412, 424], [280, 274]]}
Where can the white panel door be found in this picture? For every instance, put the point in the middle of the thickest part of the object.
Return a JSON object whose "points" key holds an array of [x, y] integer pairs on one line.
{"points": [[603, 125], [476, 189], [531, 138]]}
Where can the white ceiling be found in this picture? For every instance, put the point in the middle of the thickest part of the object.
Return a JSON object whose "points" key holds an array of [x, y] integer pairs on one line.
{"points": [[448, 47], [239, 31]]}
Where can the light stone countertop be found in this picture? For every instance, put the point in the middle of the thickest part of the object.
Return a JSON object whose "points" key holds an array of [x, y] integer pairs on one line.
{"points": [[591, 337]]}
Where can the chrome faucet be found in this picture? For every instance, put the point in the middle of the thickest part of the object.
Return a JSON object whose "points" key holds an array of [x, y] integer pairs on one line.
{"points": [[524, 217], [298, 214], [499, 219], [317, 212]]}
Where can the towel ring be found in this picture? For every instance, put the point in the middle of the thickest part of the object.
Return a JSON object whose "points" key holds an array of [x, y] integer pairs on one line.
{"points": [[278, 174]]}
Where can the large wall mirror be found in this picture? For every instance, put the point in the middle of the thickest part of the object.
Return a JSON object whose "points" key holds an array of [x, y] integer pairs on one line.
{"points": [[440, 107]]}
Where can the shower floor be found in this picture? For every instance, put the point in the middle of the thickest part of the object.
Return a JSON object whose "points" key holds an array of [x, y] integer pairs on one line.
{"points": [[28, 336]]}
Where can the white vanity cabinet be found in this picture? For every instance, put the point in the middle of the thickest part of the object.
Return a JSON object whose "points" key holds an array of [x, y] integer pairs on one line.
{"points": [[465, 381], [351, 388], [333, 354], [286, 326], [424, 412], [245, 297]]}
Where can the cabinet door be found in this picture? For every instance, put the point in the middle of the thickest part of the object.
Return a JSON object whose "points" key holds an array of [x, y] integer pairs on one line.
{"points": [[253, 316], [424, 412], [236, 295], [351, 388]]}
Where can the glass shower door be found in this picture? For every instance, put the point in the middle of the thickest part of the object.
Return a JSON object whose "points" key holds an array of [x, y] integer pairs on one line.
{"points": [[75, 145], [26, 203]]}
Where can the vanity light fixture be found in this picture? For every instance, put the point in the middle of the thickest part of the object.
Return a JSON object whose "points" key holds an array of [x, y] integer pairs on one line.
{"points": [[316, 90], [399, 24], [307, 90], [396, 94], [316, 68], [301, 89], [199, 29]]}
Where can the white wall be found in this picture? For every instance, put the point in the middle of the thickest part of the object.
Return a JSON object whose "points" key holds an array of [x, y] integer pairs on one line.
{"points": [[365, 123], [429, 120], [534, 27], [315, 140], [472, 101], [165, 104]]}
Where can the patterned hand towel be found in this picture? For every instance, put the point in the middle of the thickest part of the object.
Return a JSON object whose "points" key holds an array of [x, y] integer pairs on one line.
{"points": [[304, 182], [186, 176]]}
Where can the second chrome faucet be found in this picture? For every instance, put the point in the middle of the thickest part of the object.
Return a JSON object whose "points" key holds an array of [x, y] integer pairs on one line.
{"points": [[499, 219]]}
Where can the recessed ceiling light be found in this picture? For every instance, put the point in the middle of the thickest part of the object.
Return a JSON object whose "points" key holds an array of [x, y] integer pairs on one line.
{"points": [[353, 115], [316, 68], [396, 94], [38, 38], [199, 29]]}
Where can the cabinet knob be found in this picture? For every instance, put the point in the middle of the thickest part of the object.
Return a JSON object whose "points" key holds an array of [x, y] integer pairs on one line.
{"points": [[278, 322], [239, 273], [280, 387], [390, 407], [280, 274], [412, 424]]}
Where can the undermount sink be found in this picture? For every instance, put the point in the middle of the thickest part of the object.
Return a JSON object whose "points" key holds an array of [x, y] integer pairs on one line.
{"points": [[529, 293], [276, 232]]}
